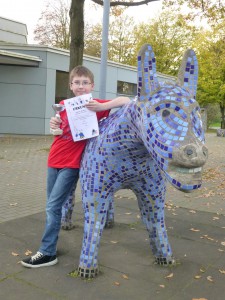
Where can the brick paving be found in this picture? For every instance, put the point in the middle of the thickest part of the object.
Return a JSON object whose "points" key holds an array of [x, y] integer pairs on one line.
{"points": [[195, 224], [23, 178]]}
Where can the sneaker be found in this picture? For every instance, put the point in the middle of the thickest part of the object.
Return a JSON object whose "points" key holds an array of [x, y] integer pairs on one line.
{"points": [[39, 260]]}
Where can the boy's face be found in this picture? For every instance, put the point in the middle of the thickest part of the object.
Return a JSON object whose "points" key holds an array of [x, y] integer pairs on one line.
{"points": [[81, 85]]}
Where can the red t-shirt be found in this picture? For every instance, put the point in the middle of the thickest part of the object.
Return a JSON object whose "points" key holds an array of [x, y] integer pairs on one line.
{"points": [[64, 152]]}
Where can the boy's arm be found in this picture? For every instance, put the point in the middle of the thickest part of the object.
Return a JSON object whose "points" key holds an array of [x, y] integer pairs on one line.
{"points": [[95, 106], [116, 102]]}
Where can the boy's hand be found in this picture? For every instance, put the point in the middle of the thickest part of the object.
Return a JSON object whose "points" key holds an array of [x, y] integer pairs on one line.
{"points": [[55, 123], [94, 105]]}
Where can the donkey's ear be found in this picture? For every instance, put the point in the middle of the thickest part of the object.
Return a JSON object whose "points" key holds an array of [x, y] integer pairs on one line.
{"points": [[146, 71], [188, 72]]}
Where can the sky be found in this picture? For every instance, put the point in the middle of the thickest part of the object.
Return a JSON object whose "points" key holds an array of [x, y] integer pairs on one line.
{"points": [[29, 11]]}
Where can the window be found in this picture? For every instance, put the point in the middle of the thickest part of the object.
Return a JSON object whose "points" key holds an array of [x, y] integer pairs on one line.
{"points": [[62, 80], [126, 88]]}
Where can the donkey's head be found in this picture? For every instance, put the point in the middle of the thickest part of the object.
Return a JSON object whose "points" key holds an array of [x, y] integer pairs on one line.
{"points": [[170, 116]]}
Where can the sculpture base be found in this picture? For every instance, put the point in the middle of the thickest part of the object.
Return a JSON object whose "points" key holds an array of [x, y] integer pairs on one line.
{"points": [[88, 272], [220, 132], [165, 261], [109, 224]]}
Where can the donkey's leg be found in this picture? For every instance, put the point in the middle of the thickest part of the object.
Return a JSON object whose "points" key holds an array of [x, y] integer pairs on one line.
{"points": [[67, 211], [110, 213], [151, 200], [95, 212]]}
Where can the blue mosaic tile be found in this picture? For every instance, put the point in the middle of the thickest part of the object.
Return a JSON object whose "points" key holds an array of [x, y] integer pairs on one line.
{"points": [[141, 147]]}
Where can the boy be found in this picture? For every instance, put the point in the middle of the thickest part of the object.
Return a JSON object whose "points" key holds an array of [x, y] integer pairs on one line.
{"points": [[63, 166]]}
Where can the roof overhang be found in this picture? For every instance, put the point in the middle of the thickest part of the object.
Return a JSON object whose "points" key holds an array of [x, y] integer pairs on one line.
{"points": [[18, 59]]}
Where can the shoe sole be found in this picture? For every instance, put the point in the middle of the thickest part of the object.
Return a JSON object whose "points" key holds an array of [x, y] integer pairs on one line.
{"points": [[51, 263]]}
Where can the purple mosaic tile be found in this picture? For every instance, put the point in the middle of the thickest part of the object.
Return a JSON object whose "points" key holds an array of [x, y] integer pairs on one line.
{"points": [[142, 146]]}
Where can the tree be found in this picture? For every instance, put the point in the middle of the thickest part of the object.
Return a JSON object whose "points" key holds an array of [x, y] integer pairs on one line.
{"points": [[210, 48], [211, 10], [124, 3], [77, 33], [76, 14], [212, 70], [169, 36], [54, 25], [121, 39], [121, 32], [93, 39], [77, 26]]}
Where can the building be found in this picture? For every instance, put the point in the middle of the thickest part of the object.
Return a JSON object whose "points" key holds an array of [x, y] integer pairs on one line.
{"points": [[33, 77]]}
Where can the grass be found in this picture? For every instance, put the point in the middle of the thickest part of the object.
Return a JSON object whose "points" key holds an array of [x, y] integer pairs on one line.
{"points": [[211, 130], [215, 124]]}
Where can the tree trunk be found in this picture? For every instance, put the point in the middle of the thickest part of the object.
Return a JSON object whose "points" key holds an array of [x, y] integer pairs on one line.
{"points": [[77, 35], [222, 111]]}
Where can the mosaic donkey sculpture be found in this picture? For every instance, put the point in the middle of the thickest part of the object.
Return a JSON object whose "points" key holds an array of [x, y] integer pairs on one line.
{"points": [[155, 139]]}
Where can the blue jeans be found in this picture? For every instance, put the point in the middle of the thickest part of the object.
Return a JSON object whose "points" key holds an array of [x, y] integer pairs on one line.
{"points": [[60, 182]]}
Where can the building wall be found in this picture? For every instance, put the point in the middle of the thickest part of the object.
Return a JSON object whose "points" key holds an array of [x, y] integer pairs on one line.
{"points": [[27, 93], [23, 99], [12, 31]]}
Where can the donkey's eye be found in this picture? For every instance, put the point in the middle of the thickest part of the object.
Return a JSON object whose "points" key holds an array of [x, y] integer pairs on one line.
{"points": [[165, 113]]}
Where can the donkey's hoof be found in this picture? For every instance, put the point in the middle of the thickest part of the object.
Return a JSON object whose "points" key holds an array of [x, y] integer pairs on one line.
{"points": [[165, 261], [88, 272], [67, 226], [109, 224]]}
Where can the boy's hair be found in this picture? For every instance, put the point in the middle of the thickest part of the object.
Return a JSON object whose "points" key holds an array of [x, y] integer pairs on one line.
{"points": [[81, 71]]}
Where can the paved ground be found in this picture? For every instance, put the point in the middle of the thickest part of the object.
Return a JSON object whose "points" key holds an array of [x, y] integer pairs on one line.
{"points": [[195, 223]]}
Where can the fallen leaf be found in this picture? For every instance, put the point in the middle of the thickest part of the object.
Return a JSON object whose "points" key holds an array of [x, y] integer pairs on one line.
{"points": [[125, 276], [15, 254], [129, 213], [28, 252], [198, 277], [195, 230], [169, 276], [223, 243], [207, 237], [209, 278], [192, 211], [114, 242], [116, 283], [221, 250], [222, 271], [162, 286], [202, 270], [13, 204]]}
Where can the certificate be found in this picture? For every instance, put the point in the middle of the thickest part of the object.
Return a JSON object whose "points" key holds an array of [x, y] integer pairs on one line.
{"points": [[83, 122]]}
